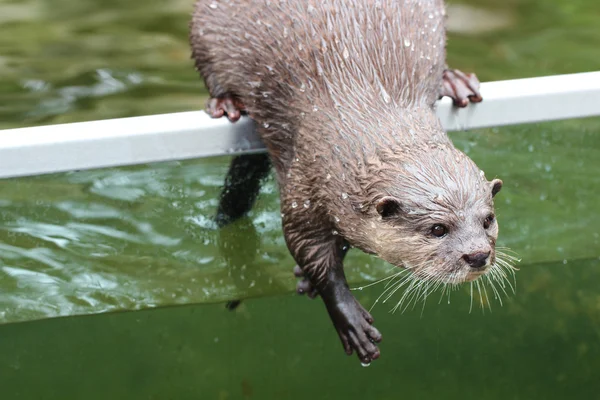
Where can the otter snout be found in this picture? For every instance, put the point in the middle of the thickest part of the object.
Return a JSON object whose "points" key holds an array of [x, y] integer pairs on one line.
{"points": [[477, 260]]}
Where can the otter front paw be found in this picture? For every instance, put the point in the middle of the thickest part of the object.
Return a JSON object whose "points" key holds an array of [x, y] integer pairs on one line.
{"points": [[228, 105], [304, 286], [460, 87], [355, 327]]}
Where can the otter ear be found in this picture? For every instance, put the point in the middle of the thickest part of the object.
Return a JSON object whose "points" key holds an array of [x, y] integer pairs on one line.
{"points": [[388, 207], [496, 186]]}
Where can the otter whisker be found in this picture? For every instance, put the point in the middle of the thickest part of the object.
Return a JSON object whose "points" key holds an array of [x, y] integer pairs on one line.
{"points": [[499, 276], [505, 266], [444, 288], [392, 286], [487, 297], [471, 302], [435, 286], [498, 273], [398, 275], [496, 294], [409, 291], [480, 295], [380, 280], [426, 286], [509, 259], [413, 292], [433, 282], [389, 279], [506, 250]]}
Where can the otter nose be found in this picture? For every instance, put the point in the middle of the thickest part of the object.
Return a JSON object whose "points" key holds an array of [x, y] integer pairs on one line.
{"points": [[476, 260]]}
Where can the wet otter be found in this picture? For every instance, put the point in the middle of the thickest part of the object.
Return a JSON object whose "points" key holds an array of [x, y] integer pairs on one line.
{"points": [[343, 95]]}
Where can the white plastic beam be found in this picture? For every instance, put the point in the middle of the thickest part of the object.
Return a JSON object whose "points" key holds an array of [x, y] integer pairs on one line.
{"points": [[186, 135]]}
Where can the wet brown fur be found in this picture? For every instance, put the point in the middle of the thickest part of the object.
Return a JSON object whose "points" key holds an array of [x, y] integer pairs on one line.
{"points": [[343, 94]]}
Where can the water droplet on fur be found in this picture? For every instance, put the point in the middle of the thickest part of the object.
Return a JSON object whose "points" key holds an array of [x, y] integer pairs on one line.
{"points": [[346, 53], [406, 42], [307, 204], [285, 32], [386, 97], [265, 94], [303, 88], [315, 108], [430, 16], [213, 6], [344, 195], [302, 114], [282, 215], [334, 232], [336, 219], [294, 204], [266, 125], [328, 177], [481, 173]]}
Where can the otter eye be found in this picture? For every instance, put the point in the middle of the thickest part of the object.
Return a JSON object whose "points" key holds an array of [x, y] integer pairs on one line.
{"points": [[488, 221], [439, 230]]}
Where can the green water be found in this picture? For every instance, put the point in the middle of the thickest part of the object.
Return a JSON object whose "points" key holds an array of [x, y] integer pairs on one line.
{"points": [[141, 237]]}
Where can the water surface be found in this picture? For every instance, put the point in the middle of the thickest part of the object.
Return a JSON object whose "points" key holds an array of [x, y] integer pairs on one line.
{"points": [[142, 237]]}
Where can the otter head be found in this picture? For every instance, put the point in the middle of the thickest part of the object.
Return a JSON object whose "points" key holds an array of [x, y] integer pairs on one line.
{"points": [[437, 218]]}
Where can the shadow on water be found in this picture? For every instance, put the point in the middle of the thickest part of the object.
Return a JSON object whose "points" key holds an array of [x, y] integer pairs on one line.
{"points": [[142, 237]]}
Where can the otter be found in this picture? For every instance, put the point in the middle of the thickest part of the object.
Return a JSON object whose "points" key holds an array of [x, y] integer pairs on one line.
{"points": [[343, 95]]}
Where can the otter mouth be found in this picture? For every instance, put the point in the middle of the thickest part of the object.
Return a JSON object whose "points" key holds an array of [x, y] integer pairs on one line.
{"points": [[455, 276], [474, 274]]}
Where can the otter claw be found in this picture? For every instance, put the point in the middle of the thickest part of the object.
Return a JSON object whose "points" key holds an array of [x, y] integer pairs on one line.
{"points": [[216, 107], [356, 332], [460, 87], [304, 286]]}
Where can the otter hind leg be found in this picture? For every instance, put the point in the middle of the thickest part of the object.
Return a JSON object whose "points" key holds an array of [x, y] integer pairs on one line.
{"points": [[239, 192], [460, 87], [228, 105]]}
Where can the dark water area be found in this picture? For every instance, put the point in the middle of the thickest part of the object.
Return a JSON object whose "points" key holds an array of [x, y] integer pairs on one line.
{"points": [[82, 246]]}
